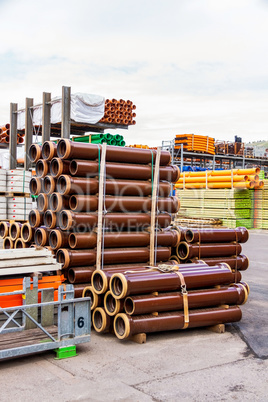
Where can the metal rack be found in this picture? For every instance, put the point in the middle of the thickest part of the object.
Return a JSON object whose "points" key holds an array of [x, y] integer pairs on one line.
{"points": [[210, 161]]}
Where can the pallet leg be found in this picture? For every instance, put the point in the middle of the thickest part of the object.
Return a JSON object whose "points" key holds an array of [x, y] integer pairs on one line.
{"points": [[219, 328], [138, 338], [65, 352]]}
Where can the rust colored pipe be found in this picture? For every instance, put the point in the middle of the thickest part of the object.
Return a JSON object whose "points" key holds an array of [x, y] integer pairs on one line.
{"points": [[19, 243], [122, 285], [87, 203], [49, 150], [112, 306], [75, 150], [59, 167], [41, 236], [116, 221], [27, 232], [50, 219], [15, 230], [49, 184], [241, 262], [101, 321], [42, 202], [36, 185], [128, 171], [73, 258], [57, 202], [58, 239], [35, 153], [80, 274], [96, 300], [42, 168], [173, 301], [186, 251], [82, 185], [126, 326], [8, 243], [217, 235], [129, 239], [4, 229], [78, 289], [35, 218]]}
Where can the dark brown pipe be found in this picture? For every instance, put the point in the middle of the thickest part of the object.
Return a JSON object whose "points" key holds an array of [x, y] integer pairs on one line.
{"points": [[186, 250], [35, 218], [78, 289], [126, 326], [19, 243], [217, 235], [50, 219], [49, 184], [41, 236], [80, 274], [42, 168], [116, 221], [76, 150], [101, 321], [58, 239], [42, 202], [59, 167], [96, 300], [15, 230], [173, 301], [74, 258], [122, 285], [35, 153], [49, 150], [57, 202], [128, 171], [27, 232], [8, 243], [241, 262], [4, 229], [82, 185], [116, 239], [87, 203], [112, 306], [35, 185]]}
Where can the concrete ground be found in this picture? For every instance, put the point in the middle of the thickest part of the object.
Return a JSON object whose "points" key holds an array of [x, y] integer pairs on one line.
{"points": [[191, 365]]}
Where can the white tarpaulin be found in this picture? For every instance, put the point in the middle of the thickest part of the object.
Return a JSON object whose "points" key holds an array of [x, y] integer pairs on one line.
{"points": [[85, 108]]}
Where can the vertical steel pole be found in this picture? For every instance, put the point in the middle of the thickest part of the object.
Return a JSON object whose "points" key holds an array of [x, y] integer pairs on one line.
{"points": [[13, 136], [66, 112], [28, 132], [46, 117], [181, 157]]}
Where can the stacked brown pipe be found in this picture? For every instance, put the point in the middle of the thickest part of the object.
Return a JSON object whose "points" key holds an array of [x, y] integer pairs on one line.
{"points": [[16, 234], [119, 112], [67, 185], [5, 133]]}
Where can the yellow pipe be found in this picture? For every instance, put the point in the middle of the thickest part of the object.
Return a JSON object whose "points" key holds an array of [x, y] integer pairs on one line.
{"points": [[214, 179], [243, 172], [243, 185]]}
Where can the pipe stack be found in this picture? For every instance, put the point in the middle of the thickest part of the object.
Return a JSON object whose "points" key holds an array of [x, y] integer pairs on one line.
{"points": [[107, 138], [16, 234], [66, 217], [119, 112], [5, 132], [196, 143]]}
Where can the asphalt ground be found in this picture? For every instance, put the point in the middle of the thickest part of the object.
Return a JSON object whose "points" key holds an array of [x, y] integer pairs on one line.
{"points": [[191, 365]]}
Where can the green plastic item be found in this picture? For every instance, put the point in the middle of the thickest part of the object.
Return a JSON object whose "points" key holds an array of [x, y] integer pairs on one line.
{"points": [[100, 141], [108, 136], [122, 143], [117, 137], [112, 142], [97, 136], [66, 352]]}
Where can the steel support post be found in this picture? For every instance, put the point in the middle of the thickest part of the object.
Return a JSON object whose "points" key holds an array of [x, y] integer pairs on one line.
{"points": [[46, 117], [13, 136], [28, 132], [66, 112]]}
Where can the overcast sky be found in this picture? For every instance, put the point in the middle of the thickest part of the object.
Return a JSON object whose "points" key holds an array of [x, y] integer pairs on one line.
{"points": [[190, 66]]}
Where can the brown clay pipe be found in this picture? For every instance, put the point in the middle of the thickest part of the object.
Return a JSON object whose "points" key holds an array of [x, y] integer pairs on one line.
{"points": [[49, 184], [80, 274], [42, 168], [49, 150], [127, 171], [191, 250], [59, 167], [241, 262], [36, 185], [58, 239], [116, 221], [101, 321], [27, 232], [87, 203], [82, 185], [50, 219], [15, 230], [75, 150], [41, 236], [35, 153], [4, 229], [35, 218], [57, 202], [42, 202], [126, 326], [217, 235]]}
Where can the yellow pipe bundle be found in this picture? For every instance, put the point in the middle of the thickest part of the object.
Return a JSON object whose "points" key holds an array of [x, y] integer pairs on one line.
{"points": [[197, 143]]}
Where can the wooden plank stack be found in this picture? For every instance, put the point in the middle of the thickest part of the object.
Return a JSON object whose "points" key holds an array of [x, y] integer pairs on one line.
{"points": [[260, 205]]}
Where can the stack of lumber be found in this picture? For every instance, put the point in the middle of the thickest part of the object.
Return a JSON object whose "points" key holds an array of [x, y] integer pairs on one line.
{"points": [[119, 112], [111, 139], [27, 261], [260, 204], [67, 214], [184, 221], [215, 179], [232, 206], [4, 135], [195, 143]]}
